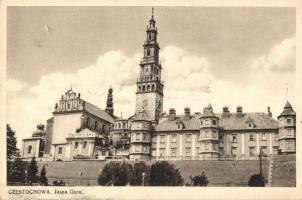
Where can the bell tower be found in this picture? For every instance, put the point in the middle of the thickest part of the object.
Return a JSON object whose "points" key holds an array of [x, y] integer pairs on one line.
{"points": [[149, 95]]}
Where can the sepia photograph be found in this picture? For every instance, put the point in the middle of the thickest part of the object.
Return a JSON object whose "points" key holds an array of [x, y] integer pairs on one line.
{"points": [[155, 96]]}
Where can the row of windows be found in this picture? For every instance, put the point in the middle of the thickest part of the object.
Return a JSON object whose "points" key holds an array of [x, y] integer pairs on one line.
{"points": [[120, 125], [234, 151], [207, 122], [138, 136], [76, 145], [288, 121], [138, 148], [96, 124], [148, 88], [206, 134]]}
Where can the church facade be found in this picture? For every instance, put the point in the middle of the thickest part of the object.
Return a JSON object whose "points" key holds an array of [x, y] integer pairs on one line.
{"points": [[81, 130]]}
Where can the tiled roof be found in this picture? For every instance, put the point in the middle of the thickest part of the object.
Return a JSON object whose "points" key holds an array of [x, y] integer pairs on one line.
{"points": [[231, 122], [287, 110], [94, 110]]}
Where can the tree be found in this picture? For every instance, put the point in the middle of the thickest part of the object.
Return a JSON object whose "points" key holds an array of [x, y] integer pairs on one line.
{"points": [[32, 174], [11, 142], [256, 180], [43, 179], [140, 172], [200, 180], [165, 174], [16, 171], [115, 173]]}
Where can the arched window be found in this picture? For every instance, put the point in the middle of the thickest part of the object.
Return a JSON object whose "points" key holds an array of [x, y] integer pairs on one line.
{"points": [[103, 128], [144, 88], [148, 52], [29, 149], [150, 37], [148, 88], [119, 125], [139, 88], [153, 87], [95, 125]]}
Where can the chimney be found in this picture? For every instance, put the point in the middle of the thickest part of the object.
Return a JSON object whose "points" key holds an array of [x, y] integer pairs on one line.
{"points": [[187, 114], [239, 111], [225, 111], [269, 111], [172, 114]]}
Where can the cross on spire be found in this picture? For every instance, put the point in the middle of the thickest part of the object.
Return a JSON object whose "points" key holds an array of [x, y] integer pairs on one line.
{"points": [[152, 12]]}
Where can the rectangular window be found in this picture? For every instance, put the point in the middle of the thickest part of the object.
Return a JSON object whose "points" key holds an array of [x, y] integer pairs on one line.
{"points": [[60, 150], [221, 138], [263, 136], [137, 136], [174, 138], [173, 152], [85, 144], [290, 132], [76, 144], [264, 150], [234, 151], [145, 149], [188, 152], [289, 121], [162, 152], [252, 151], [201, 122], [214, 122], [188, 138], [207, 148], [136, 148], [215, 147], [144, 136], [275, 150], [234, 138], [153, 152], [221, 151], [162, 139], [154, 140], [252, 137], [207, 134]]}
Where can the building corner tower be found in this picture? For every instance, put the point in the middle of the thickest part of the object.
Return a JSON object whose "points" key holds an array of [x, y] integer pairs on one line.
{"points": [[287, 130], [149, 95]]}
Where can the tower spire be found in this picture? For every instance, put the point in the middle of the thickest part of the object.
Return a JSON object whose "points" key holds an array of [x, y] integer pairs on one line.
{"points": [[109, 106]]}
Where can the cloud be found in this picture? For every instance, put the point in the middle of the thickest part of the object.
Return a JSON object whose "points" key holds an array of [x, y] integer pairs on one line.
{"points": [[281, 57], [186, 82]]}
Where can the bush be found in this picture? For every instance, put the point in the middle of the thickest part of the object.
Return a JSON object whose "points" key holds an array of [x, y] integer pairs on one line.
{"points": [[16, 171], [200, 180], [32, 174], [256, 180], [137, 174], [115, 173], [43, 179], [165, 174]]}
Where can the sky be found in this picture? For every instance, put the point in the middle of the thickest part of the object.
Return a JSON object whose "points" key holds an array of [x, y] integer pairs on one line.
{"points": [[246, 56]]}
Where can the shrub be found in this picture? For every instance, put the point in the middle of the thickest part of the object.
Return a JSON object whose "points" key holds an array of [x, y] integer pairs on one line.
{"points": [[165, 174], [200, 180], [115, 173], [256, 180], [137, 174], [43, 179], [32, 174]]}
